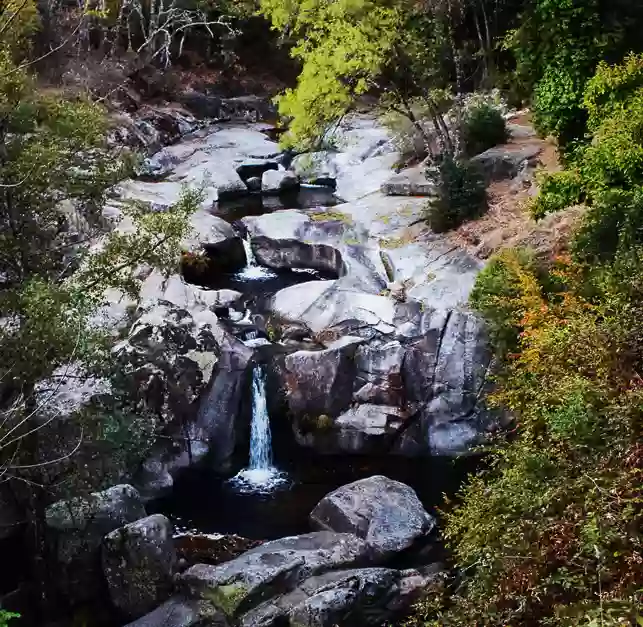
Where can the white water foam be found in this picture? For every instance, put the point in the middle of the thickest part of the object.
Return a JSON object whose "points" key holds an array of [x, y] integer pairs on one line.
{"points": [[253, 271], [261, 475]]}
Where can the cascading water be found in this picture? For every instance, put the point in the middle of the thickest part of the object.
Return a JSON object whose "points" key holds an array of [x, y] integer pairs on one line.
{"points": [[253, 270], [260, 475]]}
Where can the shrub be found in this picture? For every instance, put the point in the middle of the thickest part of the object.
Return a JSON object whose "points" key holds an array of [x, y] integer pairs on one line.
{"points": [[461, 194], [5, 617], [483, 127], [549, 533], [503, 292], [611, 87], [558, 107], [614, 223], [558, 191]]}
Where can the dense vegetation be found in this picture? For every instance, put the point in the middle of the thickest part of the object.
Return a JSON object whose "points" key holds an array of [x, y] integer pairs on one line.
{"points": [[550, 532]]}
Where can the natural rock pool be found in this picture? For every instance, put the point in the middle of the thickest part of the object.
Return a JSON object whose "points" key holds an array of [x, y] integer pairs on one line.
{"points": [[315, 374]]}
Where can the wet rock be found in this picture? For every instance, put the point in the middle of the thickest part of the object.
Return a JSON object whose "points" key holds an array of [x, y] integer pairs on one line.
{"points": [[255, 168], [277, 181], [321, 382], [409, 182], [180, 612], [500, 163], [212, 548], [387, 514], [253, 184], [287, 254], [138, 563], [218, 420], [272, 569], [364, 429]]}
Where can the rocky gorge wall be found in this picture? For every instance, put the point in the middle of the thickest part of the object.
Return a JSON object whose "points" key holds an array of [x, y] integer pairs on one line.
{"points": [[381, 357]]}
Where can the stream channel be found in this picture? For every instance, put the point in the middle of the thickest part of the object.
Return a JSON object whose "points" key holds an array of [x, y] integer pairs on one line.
{"points": [[275, 483]]}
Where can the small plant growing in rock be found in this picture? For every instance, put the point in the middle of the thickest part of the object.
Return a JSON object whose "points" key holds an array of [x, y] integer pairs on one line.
{"points": [[461, 194]]}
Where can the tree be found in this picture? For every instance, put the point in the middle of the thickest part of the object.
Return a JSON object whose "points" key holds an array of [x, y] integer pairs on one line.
{"points": [[55, 170], [348, 49]]}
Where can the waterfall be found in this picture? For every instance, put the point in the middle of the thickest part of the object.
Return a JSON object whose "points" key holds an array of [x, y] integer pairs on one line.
{"points": [[253, 270], [260, 438], [250, 256], [260, 475]]}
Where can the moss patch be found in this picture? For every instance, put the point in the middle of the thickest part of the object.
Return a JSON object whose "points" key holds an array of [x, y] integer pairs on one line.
{"points": [[227, 598]]}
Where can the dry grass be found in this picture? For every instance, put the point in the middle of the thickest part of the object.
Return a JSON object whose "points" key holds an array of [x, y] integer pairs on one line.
{"points": [[507, 224]]}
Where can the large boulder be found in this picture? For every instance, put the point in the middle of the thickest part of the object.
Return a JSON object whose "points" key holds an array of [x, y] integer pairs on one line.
{"points": [[77, 527], [364, 429], [409, 182], [254, 168], [168, 361], [503, 162], [320, 383], [138, 563], [272, 569], [387, 514], [181, 612], [79, 524], [286, 254], [218, 421], [346, 597]]}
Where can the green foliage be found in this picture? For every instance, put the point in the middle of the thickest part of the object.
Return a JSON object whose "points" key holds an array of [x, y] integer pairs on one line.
{"points": [[461, 194], [483, 127], [557, 191], [558, 103], [343, 47], [610, 89], [558, 45], [6, 617], [503, 293], [548, 534]]}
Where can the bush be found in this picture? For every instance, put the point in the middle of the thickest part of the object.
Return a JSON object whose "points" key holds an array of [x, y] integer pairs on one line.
{"points": [[461, 194], [5, 617], [483, 127], [611, 87], [503, 292], [558, 191], [549, 534], [558, 110]]}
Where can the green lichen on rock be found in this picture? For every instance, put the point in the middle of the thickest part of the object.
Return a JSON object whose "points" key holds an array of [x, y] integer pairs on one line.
{"points": [[228, 597]]}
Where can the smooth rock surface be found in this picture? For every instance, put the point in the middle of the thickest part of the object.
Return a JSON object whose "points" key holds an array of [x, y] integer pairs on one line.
{"points": [[387, 514], [499, 162], [409, 182], [181, 612], [272, 569], [320, 382]]}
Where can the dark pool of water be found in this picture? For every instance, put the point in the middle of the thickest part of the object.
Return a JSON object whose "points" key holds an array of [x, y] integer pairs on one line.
{"points": [[256, 204], [206, 502]]}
